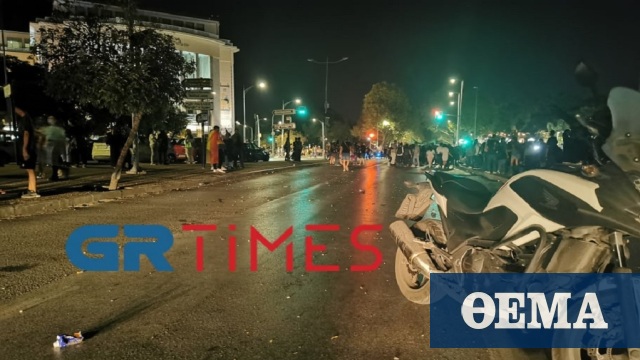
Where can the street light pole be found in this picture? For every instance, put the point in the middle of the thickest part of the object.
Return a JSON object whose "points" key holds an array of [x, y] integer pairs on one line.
{"points": [[475, 116], [460, 95], [273, 137], [244, 112], [261, 85], [257, 127], [284, 105], [326, 86], [250, 128], [326, 63], [323, 144]]}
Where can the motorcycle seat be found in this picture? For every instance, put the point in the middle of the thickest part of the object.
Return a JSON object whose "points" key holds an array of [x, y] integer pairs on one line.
{"points": [[463, 194]]}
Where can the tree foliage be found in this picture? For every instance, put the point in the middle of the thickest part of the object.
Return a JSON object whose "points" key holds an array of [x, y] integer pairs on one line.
{"points": [[386, 108], [125, 69]]}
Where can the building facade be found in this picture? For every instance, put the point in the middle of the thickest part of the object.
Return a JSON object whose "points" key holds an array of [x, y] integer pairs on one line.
{"points": [[197, 39], [18, 44]]}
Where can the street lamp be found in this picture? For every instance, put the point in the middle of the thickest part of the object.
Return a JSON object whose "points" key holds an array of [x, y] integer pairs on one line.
{"points": [[326, 63], [384, 124], [260, 85], [322, 123], [453, 81]]}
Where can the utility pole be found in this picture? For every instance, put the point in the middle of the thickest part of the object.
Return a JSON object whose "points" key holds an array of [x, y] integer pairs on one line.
{"points": [[475, 116]]}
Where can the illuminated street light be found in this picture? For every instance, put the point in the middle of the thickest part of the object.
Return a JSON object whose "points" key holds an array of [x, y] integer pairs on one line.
{"points": [[260, 85], [385, 123], [452, 103], [459, 102]]}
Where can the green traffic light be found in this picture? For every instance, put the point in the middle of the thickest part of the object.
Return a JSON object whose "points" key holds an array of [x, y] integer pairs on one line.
{"points": [[301, 111]]}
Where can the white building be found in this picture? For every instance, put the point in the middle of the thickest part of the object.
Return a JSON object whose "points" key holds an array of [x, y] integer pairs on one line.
{"points": [[197, 39], [18, 44]]}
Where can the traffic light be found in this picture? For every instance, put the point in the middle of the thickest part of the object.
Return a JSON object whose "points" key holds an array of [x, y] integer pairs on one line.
{"points": [[372, 135], [439, 115], [270, 138], [301, 111]]}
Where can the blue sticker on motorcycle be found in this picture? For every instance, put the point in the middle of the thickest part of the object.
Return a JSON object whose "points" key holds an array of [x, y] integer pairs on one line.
{"points": [[535, 311]]}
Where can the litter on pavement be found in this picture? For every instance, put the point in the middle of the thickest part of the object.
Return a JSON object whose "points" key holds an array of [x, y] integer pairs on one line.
{"points": [[66, 340]]}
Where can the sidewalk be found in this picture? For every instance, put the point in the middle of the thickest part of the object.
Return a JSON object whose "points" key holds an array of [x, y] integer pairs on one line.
{"points": [[89, 185]]}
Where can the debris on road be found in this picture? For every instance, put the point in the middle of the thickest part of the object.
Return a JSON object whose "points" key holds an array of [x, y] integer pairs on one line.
{"points": [[334, 337], [66, 340]]}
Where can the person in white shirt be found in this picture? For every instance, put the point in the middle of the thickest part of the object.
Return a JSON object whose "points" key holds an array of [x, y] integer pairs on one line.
{"points": [[393, 150], [416, 155], [444, 151]]}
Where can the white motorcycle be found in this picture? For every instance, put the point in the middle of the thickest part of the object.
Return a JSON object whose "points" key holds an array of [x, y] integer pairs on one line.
{"points": [[573, 219]]}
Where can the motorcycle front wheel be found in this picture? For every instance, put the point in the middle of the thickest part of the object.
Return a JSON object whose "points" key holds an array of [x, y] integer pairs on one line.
{"points": [[413, 285]]}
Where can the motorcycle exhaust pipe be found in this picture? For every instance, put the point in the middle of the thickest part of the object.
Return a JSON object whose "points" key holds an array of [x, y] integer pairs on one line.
{"points": [[416, 254]]}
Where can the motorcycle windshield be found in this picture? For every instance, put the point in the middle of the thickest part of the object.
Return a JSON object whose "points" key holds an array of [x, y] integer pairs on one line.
{"points": [[623, 145]]}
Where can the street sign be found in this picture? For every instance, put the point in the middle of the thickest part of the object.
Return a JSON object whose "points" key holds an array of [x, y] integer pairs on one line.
{"points": [[202, 118], [285, 126], [196, 83], [199, 94], [284, 112], [198, 105], [7, 91]]}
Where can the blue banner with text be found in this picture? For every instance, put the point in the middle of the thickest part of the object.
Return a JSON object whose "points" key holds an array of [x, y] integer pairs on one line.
{"points": [[535, 311]]}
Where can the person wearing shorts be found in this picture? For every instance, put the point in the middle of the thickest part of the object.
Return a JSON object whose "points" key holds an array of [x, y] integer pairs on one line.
{"points": [[345, 155], [27, 153]]}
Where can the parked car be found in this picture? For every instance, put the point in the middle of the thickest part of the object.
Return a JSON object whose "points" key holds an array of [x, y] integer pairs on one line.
{"points": [[7, 146], [180, 152], [101, 151], [254, 153]]}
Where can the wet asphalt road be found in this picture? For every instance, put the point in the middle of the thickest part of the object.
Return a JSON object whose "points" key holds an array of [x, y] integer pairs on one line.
{"points": [[218, 314]]}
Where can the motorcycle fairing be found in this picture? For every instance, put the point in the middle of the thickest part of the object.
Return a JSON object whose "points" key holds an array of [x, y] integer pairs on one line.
{"points": [[493, 225], [462, 194], [623, 145]]}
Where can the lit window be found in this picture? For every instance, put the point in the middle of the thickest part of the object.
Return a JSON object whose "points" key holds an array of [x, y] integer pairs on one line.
{"points": [[204, 66], [190, 57], [14, 43]]}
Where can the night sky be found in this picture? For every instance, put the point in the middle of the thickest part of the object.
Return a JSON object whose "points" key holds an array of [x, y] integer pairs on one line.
{"points": [[511, 50]]}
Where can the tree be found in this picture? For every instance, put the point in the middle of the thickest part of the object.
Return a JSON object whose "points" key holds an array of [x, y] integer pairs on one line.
{"points": [[386, 108], [126, 70]]}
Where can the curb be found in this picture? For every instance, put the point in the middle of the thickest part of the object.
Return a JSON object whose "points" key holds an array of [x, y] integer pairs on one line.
{"points": [[84, 199]]}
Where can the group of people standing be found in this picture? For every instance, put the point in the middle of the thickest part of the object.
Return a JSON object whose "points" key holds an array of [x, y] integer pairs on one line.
{"points": [[508, 156], [39, 148], [296, 155], [225, 152]]}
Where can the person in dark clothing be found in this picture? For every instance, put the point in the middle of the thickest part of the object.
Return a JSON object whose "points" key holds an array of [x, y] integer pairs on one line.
{"points": [[297, 149], [582, 146], [237, 148], [115, 142], [552, 149], [27, 151], [163, 147], [502, 156], [491, 155]]}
